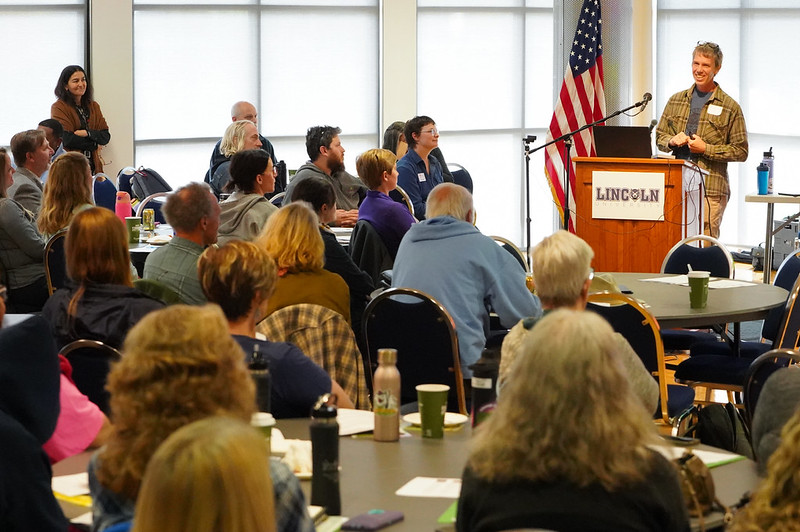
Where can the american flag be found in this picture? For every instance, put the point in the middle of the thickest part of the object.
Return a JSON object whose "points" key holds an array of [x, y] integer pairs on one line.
{"points": [[580, 102]]}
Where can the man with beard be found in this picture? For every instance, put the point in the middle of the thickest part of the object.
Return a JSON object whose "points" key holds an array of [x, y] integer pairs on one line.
{"points": [[327, 161]]}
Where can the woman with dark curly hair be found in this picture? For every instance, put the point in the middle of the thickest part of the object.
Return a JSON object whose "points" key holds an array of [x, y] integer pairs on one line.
{"points": [[85, 128], [180, 365]]}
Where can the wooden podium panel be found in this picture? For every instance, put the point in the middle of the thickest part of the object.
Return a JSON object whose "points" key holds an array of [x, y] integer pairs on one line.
{"points": [[638, 245]]}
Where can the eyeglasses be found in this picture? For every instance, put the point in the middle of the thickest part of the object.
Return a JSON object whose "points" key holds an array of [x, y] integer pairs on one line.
{"points": [[433, 131], [714, 46], [3, 293]]}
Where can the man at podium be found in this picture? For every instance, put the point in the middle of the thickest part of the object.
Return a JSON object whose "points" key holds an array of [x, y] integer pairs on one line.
{"points": [[705, 125]]}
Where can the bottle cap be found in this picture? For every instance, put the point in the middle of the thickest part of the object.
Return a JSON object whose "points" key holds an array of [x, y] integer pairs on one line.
{"points": [[322, 409], [762, 168], [387, 356]]}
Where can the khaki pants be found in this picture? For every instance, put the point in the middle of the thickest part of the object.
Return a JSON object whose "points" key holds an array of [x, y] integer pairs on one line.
{"points": [[715, 208]]}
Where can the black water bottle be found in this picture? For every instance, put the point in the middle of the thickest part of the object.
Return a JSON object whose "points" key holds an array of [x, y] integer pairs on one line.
{"points": [[259, 371], [484, 386], [325, 457]]}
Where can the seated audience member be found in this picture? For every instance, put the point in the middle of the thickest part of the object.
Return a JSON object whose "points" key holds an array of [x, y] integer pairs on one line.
{"points": [[239, 136], [567, 447], [291, 237], [32, 154], [378, 169], [21, 249], [28, 413], [562, 273], [180, 365], [394, 139], [240, 111], [326, 156], [193, 213], [68, 192], [419, 171], [100, 302], [775, 505], [243, 215], [53, 132], [188, 484], [240, 277], [319, 194], [447, 257], [778, 401]]}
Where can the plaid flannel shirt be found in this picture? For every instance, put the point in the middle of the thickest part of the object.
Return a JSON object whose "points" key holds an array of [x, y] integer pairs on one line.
{"points": [[725, 135], [326, 338], [175, 265]]}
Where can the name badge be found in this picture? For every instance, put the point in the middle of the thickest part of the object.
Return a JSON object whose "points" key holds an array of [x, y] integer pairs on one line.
{"points": [[421, 177], [715, 110]]}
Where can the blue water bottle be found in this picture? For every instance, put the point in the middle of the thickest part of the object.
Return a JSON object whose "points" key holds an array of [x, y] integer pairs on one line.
{"points": [[763, 179]]}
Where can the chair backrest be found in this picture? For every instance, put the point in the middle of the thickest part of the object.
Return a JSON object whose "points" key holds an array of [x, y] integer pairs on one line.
{"points": [[640, 328], [327, 339], [460, 176], [105, 192], [277, 199], [55, 261], [424, 334], [91, 361], [368, 250], [158, 290], [401, 196], [789, 330], [143, 204], [715, 259], [787, 274], [509, 246], [760, 370]]}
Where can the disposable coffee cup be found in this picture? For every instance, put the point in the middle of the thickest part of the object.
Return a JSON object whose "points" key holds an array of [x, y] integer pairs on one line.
{"points": [[133, 224], [263, 422], [432, 399], [698, 289]]}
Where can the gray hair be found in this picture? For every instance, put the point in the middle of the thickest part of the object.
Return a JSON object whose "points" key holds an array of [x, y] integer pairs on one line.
{"points": [[561, 265], [449, 199]]}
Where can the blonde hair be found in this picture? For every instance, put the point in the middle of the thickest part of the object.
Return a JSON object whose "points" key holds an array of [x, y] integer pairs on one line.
{"points": [[567, 414], [291, 237], [775, 506], [234, 137], [371, 165], [449, 199], [561, 265], [180, 365], [67, 188], [208, 476], [234, 274]]}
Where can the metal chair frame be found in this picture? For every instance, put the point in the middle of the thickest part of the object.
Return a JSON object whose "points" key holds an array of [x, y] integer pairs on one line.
{"points": [[103, 352], [445, 317], [700, 239], [140, 207], [750, 382], [406, 199], [277, 199], [512, 248], [48, 248]]}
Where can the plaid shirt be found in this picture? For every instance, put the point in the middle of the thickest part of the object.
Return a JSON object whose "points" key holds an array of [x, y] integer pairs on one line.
{"points": [[326, 338], [291, 512], [725, 135], [175, 265]]}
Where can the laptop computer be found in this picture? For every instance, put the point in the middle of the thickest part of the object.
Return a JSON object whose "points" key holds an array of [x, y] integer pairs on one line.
{"points": [[622, 141]]}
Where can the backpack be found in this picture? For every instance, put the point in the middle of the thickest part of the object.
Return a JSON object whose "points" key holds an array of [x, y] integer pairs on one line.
{"points": [[721, 426], [146, 181]]}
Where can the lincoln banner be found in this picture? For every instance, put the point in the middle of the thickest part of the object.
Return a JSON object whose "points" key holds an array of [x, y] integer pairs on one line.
{"points": [[628, 195]]}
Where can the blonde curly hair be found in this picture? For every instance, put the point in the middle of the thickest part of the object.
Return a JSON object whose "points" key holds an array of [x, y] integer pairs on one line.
{"points": [[179, 365], [775, 506], [567, 413], [291, 237]]}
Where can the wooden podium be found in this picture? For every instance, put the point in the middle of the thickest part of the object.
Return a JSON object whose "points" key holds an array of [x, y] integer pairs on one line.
{"points": [[622, 245]]}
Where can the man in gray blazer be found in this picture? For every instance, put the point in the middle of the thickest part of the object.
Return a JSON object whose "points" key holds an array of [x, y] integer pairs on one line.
{"points": [[32, 155]]}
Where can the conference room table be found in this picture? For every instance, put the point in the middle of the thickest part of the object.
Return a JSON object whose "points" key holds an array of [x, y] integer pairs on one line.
{"points": [[669, 303], [771, 200], [371, 473]]}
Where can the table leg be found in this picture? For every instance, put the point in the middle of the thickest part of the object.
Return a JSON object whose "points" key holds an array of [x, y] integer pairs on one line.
{"points": [[737, 339], [768, 244]]}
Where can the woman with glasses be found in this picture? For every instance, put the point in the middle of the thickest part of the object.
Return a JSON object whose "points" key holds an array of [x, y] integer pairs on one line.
{"points": [[418, 170]]}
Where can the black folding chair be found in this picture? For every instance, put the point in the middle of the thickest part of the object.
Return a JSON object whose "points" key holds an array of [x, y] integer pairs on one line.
{"points": [[91, 361]]}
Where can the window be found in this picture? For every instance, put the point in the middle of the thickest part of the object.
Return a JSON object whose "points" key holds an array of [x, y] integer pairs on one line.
{"points": [[40, 38], [300, 63]]}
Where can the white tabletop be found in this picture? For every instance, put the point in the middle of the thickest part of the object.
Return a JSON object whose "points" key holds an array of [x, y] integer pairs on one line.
{"points": [[771, 198]]}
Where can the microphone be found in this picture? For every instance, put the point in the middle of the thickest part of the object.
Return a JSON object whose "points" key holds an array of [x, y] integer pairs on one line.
{"points": [[646, 98], [529, 138], [653, 125]]}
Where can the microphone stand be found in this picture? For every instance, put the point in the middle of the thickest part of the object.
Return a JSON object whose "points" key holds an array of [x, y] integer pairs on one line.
{"points": [[567, 138], [527, 142]]}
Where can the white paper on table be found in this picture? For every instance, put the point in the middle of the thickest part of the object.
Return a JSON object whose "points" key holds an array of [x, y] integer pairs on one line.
{"points": [[728, 283], [709, 458], [353, 421], [83, 519], [446, 488], [673, 279], [71, 485]]}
